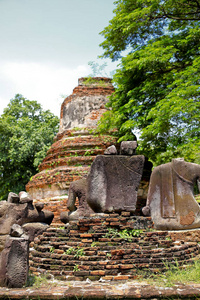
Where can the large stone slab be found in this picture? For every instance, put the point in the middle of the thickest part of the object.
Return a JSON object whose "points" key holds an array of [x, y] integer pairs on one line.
{"points": [[113, 183], [14, 262], [170, 200]]}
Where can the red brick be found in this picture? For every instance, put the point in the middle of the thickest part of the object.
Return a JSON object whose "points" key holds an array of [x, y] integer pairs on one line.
{"points": [[98, 272], [121, 277], [85, 235], [112, 267], [125, 267], [115, 224]]}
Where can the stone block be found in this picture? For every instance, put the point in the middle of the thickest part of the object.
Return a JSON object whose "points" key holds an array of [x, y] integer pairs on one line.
{"points": [[13, 198], [14, 262], [113, 183], [111, 150], [128, 147], [24, 198]]}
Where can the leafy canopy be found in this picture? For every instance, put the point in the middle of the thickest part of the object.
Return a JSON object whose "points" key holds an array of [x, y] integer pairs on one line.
{"points": [[157, 85], [26, 132]]}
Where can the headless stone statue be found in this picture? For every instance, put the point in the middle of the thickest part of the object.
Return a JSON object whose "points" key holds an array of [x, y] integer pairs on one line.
{"points": [[77, 189], [170, 200], [113, 183]]}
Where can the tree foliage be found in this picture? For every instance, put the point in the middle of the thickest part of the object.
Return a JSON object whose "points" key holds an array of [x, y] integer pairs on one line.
{"points": [[26, 132], [158, 83]]}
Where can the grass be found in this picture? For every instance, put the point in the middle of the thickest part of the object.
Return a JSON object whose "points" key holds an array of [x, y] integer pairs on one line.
{"points": [[197, 197], [37, 281], [174, 275]]}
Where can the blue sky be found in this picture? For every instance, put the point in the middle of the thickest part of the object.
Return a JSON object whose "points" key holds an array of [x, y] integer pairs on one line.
{"points": [[46, 46]]}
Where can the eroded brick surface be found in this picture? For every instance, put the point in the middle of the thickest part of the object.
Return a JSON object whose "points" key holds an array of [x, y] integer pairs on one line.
{"points": [[88, 249]]}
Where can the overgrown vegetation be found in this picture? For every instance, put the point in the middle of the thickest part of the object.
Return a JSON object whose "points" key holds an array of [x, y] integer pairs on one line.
{"points": [[126, 234], [26, 133], [174, 275], [157, 93], [76, 252]]}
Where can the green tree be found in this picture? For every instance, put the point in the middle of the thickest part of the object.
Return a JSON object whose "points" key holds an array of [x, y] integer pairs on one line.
{"points": [[157, 85], [26, 132]]}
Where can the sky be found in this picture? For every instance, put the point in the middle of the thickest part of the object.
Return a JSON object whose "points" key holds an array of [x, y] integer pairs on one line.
{"points": [[46, 46]]}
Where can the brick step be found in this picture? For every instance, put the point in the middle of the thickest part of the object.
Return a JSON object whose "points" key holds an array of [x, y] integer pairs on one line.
{"points": [[70, 243], [65, 245], [111, 264], [100, 252], [107, 258], [80, 269]]}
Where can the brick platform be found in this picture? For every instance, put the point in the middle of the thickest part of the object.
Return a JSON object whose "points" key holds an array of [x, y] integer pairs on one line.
{"points": [[89, 249]]}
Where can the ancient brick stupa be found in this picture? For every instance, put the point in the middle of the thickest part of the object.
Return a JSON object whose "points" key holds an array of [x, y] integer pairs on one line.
{"points": [[76, 143]]}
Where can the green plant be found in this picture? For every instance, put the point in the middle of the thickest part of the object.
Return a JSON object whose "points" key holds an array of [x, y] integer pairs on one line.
{"points": [[157, 85], [27, 131], [79, 252], [76, 268], [88, 152], [52, 249], [77, 129], [91, 80], [112, 232], [108, 254], [70, 251], [168, 238], [36, 281], [93, 244], [125, 234]]}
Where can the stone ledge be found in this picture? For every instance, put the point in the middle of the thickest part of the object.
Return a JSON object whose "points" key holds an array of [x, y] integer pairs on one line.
{"points": [[102, 290]]}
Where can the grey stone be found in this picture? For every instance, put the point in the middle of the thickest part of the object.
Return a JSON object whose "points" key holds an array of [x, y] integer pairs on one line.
{"points": [[34, 229], [128, 147], [13, 198], [14, 262], [39, 206], [11, 213], [2, 241], [77, 190], [113, 183], [24, 197], [170, 197], [35, 215], [111, 150], [16, 230]]}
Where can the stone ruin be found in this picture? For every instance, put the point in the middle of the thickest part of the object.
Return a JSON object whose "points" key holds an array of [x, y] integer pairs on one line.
{"points": [[98, 245], [110, 200], [111, 185], [76, 144], [170, 200], [20, 223]]}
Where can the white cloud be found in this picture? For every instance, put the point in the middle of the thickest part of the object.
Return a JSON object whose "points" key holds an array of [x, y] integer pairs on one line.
{"points": [[44, 83]]}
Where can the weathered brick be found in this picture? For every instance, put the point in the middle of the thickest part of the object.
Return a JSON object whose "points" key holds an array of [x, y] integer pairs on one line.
{"points": [[124, 267], [121, 277], [112, 267], [97, 272], [86, 235]]}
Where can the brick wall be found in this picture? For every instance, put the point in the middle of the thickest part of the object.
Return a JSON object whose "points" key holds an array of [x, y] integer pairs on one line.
{"points": [[90, 249]]}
